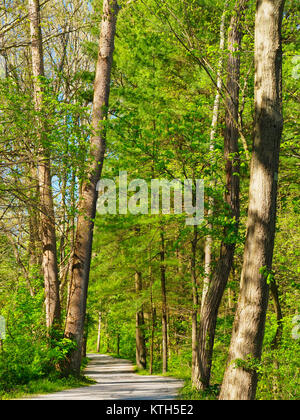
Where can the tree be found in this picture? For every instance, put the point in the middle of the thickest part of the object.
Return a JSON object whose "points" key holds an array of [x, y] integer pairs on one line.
{"points": [[47, 218], [81, 259], [214, 294], [141, 361], [164, 303], [209, 239], [240, 379]]}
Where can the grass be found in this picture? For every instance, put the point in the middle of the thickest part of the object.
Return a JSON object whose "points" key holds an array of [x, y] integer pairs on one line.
{"points": [[190, 393], [46, 386], [187, 392]]}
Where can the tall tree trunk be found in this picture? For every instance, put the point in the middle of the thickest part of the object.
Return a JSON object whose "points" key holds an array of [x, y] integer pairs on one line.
{"points": [[208, 239], [35, 248], [219, 279], [47, 218], [80, 265], [153, 322], [153, 318], [164, 304], [140, 327], [240, 379], [195, 311]]}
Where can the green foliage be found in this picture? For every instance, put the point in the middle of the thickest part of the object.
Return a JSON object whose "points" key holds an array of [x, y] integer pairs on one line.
{"points": [[248, 364], [279, 367], [159, 126], [45, 386], [29, 352]]}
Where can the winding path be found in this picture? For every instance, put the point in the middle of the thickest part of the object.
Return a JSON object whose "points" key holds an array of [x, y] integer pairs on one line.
{"points": [[116, 380]]}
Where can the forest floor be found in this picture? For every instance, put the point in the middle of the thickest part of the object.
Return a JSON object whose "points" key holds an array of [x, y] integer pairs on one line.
{"points": [[115, 379]]}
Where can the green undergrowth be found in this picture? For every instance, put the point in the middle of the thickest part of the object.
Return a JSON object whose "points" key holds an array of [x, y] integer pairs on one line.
{"points": [[45, 386]]}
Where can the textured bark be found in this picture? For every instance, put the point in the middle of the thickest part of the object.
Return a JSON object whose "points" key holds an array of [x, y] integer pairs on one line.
{"points": [[80, 266], [140, 327], [47, 218], [240, 381], [213, 296]]}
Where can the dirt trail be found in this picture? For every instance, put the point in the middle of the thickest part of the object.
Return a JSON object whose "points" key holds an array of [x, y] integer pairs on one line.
{"points": [[115, 380]]}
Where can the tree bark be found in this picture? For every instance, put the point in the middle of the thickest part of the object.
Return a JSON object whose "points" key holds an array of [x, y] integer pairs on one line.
{"points": [[140, 328], [219, 279], [80, 265], [240, 379], [47, 218]]}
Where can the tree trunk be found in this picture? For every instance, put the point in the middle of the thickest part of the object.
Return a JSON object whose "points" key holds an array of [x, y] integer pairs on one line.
{"points": [[208, 239], [195, 311], [164, 304], [99, 333], [80, 265], [35, 248], [153, 320], [47, 218], [240, 379], [118, 344], [219, 279], [140, 327], [279, 315]]}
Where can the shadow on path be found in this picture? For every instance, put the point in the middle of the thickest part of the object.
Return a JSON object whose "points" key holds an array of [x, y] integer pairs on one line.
{"points": [[115, 380]]}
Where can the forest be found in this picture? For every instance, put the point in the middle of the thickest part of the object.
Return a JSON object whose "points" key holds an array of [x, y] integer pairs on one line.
{"points": [[100, 102]]}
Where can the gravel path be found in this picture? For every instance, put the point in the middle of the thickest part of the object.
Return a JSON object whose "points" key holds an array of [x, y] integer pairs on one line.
{"points": [[117, 381]]}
